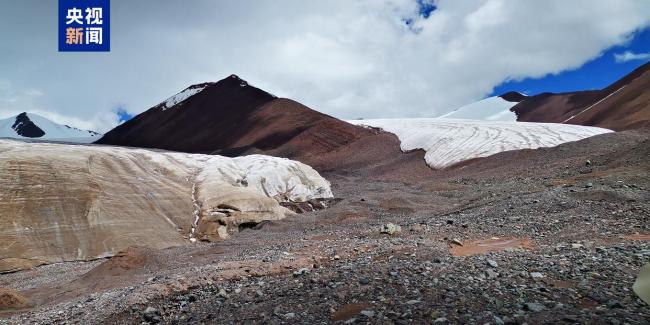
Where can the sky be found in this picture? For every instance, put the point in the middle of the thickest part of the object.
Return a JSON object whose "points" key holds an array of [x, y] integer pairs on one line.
{"points": [[349, 59]]}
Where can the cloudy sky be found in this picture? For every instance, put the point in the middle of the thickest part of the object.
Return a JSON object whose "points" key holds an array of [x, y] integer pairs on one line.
{"points": [[363, 58]]}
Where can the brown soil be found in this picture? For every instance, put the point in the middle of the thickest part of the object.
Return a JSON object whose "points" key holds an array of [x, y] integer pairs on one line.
{"points": [[491, 245], [641, 237], [349, 311]]}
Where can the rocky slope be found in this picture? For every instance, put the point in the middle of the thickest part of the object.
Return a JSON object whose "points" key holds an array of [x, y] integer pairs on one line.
{"points": [[623, 105], [78, 202], [32, 126]]}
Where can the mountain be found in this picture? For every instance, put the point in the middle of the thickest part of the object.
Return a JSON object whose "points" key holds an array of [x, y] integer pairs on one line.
{"points": [[32, 126], [623, 105], [63, 202], [495, 108], [231, 118]]}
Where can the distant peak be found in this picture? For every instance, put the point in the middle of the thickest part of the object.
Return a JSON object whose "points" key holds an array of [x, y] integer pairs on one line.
{"points": [[26, 128], [242, 82], [513, 96]]}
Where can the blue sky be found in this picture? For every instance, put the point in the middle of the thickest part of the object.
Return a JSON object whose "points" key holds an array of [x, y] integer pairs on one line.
{"points": [[595, 74], [123, 115]]}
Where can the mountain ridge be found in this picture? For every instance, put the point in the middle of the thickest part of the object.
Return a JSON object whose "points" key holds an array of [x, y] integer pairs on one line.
{"points": [[30, 126]]}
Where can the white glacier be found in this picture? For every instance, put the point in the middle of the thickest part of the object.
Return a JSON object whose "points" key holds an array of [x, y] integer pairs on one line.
{"points": [[450, 141]]}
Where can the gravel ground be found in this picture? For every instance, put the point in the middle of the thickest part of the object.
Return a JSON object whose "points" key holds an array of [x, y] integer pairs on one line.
{"points": [[572, 223]]}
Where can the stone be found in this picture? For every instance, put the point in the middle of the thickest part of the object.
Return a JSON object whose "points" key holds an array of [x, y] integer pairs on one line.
{"points": [[456, 241], [300, 272], [492, 263], [151, 315], [440, 320], [223, 294], [536, 275], [364, 280], [533, 306], [390, 228], [612, 304], [10, 299], [368, 313]]}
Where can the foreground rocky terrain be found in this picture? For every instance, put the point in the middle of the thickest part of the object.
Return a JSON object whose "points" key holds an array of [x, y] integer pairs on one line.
{"points": [[553, 235]]}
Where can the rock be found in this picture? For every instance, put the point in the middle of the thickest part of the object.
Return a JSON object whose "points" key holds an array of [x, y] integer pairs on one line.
{"points": [[491, 274], [533, 306], [151, 311], [456, 241], [536, 275], [390, 229], [368, 313], [151, 315], [577, 246], [440, 320], [301, 272], [492, 263], [612, 304], [289, 315], [364, 281], [498, 321], [10, 299], [413, 302], [589, 185], [223, 294]]}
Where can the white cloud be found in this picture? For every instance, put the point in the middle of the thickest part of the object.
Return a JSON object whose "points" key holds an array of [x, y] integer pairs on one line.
{"points": [[630, 56], [346, 58]]}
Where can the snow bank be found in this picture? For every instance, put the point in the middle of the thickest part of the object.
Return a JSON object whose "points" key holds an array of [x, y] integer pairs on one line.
{"points": [[449, 141], [278, 178]]}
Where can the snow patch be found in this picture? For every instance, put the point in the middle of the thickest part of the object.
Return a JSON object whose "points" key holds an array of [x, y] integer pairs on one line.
{"points": [[448, 141], [182, 96]]}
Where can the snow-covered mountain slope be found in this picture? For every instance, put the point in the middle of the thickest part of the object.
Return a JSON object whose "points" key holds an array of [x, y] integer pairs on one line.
{"points": [[61, 202], [449, 141], [490, 109], [32, 126]]}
